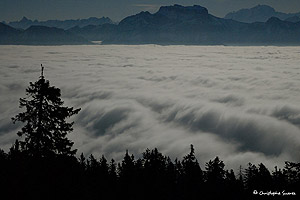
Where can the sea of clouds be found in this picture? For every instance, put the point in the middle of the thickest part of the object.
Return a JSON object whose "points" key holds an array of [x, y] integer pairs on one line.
{"points": [[238, 103]]}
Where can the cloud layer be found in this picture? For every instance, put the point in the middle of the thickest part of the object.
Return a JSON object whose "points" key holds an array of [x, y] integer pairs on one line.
{"points": [[240, 103]]}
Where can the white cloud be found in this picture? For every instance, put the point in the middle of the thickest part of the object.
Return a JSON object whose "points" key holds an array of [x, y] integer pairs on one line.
{"points": [[240, 103]]}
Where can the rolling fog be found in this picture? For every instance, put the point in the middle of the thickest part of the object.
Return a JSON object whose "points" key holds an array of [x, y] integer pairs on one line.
{"points": [[238, 103]]}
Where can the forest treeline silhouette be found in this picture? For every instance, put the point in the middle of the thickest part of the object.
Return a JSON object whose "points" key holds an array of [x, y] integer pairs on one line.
{"points": [[43, 165]]}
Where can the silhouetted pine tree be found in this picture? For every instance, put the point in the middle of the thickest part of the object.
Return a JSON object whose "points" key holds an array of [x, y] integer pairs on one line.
{"points": [[126, 169], [103, 166], [215, 175], [93, 164], [82, 162], [178, 168], [264, 178], [279, 180], [112, 170], [241, 176], [104, 179], [215, 172], [292, 172], [171, 179], [127, 177], [45, 117], [42, 164], [251, 175], [155, 176], [192, 176], [112, 180], [240, 182], [232, 187]]}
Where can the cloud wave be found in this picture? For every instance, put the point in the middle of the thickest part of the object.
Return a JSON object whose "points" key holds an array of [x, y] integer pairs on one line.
{"points": [[227, 101]]}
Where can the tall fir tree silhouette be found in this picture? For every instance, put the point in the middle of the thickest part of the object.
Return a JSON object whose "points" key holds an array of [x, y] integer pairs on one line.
{"points": [[192, 176], [127, 177], [45, 130], [215, 171], [251, 175], [215, 178]]}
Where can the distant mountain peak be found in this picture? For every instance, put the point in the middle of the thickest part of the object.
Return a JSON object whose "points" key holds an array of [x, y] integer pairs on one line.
{"points": [[174, 24], [259, 13], [182, 12], [165, 15], [274, 20], [263, 7], [25, 19], [145, 13], [25, 23], [180, 8], [38, 35]]}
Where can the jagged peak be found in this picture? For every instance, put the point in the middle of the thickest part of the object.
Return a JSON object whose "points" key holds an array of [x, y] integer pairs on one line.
{"points": [[24, 19], [145, 13], [177, 7], [264, 7], [273, 20], [178, 11], [256, 8], [137, 17], [142, 13]]}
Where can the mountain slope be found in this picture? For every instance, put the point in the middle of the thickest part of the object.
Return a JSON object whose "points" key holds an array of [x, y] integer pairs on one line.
{"points": [[259, 13], [191, 25], [25, 23], [38, 35], [50, 36], [194, 25], [9, 35], [188, 25], [174, 25], [293, 19], [95, 33]]}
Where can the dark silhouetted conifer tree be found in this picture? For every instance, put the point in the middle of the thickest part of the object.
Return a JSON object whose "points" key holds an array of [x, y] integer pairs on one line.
{"points": [[279, 179], [215, 178], [292, 173], [82, 161], [127, 175], [215, 171], [192, 176], [251, 176], [264, 178], [112, 170], [103, 166], [155, 176], [45, 131], [126, 169]]}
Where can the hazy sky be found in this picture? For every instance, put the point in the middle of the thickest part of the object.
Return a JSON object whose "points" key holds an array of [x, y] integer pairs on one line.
{"points": [[11, 10]]}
